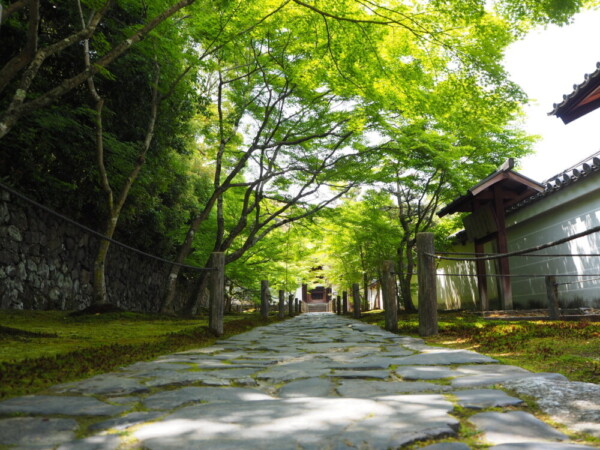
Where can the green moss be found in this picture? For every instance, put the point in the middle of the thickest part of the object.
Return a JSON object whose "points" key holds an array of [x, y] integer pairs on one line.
{"points": [[567, 347], [93, 344]]}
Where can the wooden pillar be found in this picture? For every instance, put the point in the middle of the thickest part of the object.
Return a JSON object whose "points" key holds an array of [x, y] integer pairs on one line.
{"points": [[291, 305], [281, 312], [297, 306], [217, 293], [482, 287], [356, 300], [505, 284], [552, 294], [428, 325], [390, 302], [339, 305], [345, 302]]}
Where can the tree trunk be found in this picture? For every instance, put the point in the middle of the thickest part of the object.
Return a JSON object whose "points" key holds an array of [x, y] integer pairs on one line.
{"points": [[100, 296], [406, 267], [366, 305], [192, 305]]}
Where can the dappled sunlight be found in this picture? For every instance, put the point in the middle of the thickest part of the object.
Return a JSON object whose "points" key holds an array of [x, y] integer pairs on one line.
{"points": [[181, 427], [301, 420]]}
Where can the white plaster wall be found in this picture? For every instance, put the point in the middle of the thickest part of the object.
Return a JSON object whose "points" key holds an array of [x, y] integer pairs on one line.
{"points": [[574, 209]]}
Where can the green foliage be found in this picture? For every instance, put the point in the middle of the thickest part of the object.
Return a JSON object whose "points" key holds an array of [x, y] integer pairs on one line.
{"points": [[358, 236], [287, 99]]}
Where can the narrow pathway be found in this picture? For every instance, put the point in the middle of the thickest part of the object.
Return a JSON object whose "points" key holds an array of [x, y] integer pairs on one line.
{"points": [[317, 381]]}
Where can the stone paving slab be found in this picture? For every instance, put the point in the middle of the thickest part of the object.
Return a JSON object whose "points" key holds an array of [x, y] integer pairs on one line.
{"points": [[172, 399], [485, 398], [300, 421], [515, 427], [447, 446], [572, 403], [36, 431], [443, 356], [426, 372], [517, 446], [539, 446], [365, 374], [100, 442], [170, 378], [487, 375], [309, 387], [369, 389], [318, 381], [108, 384], [63, 405], [363, 363], [126, 421]]}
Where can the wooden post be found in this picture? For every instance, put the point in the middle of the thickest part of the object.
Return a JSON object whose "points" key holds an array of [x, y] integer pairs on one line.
{"points": [[366, 305], [300, 304], [428, 325], [339, 305], [297, 306], [291, 305], [281, 312], [334, 306], [356, 298], [505, 284], [345, 302], [484, 302], [217, 293], [552, 294], [390, 302]]}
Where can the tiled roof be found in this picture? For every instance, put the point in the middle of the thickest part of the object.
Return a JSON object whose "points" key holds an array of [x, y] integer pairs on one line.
{"points": [[572, 175], [570, 102]]}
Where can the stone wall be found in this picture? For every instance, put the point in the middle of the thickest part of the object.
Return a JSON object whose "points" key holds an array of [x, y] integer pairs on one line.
{"points": [[47, 263]]}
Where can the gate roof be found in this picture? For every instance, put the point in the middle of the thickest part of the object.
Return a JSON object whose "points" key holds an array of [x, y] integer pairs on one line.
{"points": [[510, 185]]}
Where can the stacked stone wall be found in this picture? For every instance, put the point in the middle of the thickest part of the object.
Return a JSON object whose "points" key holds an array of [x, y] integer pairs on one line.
{"points": [[47, 263]]}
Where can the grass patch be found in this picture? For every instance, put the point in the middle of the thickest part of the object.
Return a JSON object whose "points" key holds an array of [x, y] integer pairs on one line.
{"points": [[571, 348], [43, 348]]}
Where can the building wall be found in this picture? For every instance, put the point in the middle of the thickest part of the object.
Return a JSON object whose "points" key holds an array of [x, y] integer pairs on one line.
{"points": [[456, 284], [569, 210], [573, 209]]}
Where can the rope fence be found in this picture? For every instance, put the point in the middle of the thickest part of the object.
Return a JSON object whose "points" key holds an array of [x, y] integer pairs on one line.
{"points": [[427, 275], [96, 233], [215, 283], [536, 248]]}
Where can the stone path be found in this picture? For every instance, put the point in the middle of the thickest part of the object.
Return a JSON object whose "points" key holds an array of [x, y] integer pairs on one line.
{"points": [[317, 381]]}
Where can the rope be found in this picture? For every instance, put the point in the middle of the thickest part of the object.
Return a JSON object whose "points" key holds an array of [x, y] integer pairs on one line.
{"points": [[98, 235], [532, 275], [520, 252], [577, 282], [520, 275], [550, 255]]}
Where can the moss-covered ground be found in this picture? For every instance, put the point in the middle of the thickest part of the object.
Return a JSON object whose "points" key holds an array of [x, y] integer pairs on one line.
{"points": [[571, 348], [41, 348]]}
